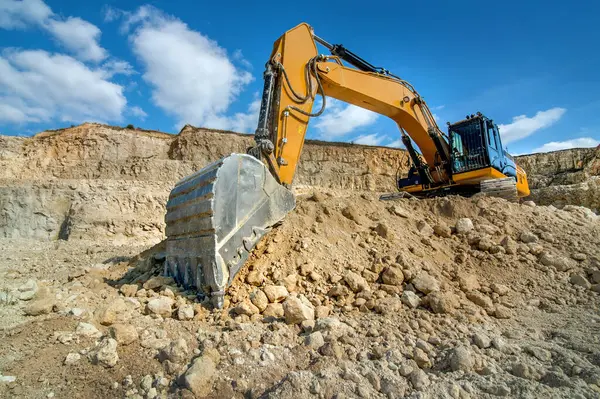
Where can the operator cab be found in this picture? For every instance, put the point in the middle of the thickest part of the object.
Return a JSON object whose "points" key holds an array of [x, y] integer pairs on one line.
{"points": [[475, 144], [476, 155]]}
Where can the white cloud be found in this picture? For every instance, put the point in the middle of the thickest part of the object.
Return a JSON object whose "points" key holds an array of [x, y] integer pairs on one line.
{"points": [[369, 139], [14, 110], [118, 67], [241, 122], [144, 13], [37, 86], [111, 14], [523, 126], [138, 112], [76, 35], [582, 142], [19, 14], [192, 77], [339, 120], [239, 57]]}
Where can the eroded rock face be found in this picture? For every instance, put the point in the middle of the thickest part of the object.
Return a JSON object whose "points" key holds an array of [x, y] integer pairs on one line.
{"points": [[564, 177], [95, 151], [100, 182], [108, 183]]}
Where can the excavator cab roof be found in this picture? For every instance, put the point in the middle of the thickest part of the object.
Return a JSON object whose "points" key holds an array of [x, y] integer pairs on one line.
{"points": [[469, 119]]}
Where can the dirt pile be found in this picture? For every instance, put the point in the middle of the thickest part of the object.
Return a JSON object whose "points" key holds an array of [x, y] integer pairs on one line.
{"points": [[349, 297]]}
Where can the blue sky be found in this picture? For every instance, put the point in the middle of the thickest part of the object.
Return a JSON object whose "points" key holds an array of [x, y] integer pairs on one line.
{"points": [[532, 66]]}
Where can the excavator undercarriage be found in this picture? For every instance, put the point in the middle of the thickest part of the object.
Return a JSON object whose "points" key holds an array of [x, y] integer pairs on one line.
{"points": [[216, 216]]}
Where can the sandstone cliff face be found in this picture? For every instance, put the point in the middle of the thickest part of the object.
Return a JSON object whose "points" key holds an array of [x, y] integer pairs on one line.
{"points": [[80, 209], [101, 182], [93, 151], [328, 165], [564, 177]]}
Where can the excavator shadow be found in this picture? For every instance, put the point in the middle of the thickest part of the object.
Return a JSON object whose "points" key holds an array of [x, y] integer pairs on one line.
{"points": [[146, 270], [140, 268]]}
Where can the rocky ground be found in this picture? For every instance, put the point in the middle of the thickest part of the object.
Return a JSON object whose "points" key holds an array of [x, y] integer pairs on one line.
{"points": [[349, 297]]}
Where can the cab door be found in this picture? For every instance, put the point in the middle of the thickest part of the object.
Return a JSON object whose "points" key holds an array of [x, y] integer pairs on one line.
{"points": [[507, 163], [494, 146]]}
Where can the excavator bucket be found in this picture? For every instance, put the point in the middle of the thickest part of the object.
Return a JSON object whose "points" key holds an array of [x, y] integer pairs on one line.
{"points": [[215, 217]]}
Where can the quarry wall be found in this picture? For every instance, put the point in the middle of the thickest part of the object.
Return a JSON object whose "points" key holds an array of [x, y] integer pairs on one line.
{"points": [[101, 182]]}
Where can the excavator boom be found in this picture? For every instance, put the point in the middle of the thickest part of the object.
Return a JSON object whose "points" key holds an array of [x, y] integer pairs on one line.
{"points": [[216, 216], [296, 74]]}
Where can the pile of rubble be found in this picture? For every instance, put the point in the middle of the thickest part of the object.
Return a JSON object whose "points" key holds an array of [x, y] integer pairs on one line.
{"points": [[349, 297]]}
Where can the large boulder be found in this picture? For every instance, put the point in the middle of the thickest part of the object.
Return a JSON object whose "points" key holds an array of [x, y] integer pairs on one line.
{"points": [[114, 312], [392, 276], [296, 311], [124, 334], [463, 226], [356, 282], [425, 283], [105, 353], [160, 306], [276, 293], [200, 376], [442, 302], [259, 299]]}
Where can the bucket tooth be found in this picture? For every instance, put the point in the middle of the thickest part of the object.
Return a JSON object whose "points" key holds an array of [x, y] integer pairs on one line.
{"points": [[216, 216]]}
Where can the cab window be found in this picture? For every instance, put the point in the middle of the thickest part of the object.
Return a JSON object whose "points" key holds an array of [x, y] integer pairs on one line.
{"points": [[457, 144], [492, 136]]}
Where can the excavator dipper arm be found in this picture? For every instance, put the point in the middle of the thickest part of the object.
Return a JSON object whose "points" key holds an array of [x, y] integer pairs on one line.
{"points": [[296, 74]]}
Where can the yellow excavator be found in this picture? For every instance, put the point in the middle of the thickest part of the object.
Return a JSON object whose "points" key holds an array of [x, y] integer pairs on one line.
{"points": [[216, 216]]}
